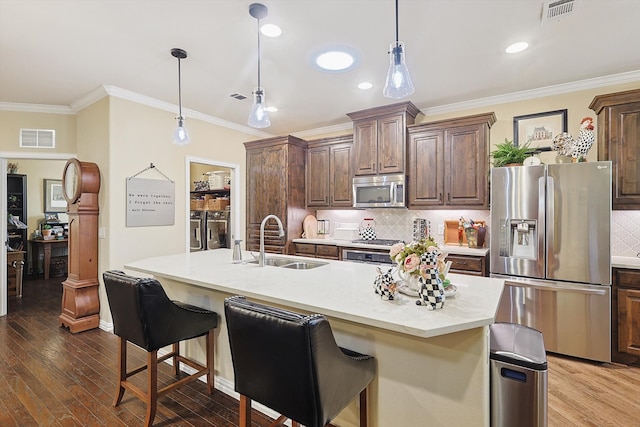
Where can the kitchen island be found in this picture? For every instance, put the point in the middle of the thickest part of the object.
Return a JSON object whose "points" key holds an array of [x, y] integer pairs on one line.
{"points": [[433, 366]]}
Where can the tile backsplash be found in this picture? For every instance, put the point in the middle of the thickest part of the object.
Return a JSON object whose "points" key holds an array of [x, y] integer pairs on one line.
{"points": [[398, 224]]}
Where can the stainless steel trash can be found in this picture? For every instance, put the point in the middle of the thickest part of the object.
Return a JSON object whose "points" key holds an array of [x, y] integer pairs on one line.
{"points": [[518, 376]]}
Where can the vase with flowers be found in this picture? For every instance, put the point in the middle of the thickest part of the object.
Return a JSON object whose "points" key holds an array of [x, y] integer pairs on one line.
{"points": [[408, 258]]}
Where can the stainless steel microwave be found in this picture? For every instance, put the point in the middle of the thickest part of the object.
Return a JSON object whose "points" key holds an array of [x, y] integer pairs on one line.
{"points": [[379, 191]]}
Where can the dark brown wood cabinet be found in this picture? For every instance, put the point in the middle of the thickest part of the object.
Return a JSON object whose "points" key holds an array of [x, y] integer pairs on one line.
{"points": [[275, 185], [448, 163], [17, 207], [317, 251], [475, 265], [380, 138], [625, 316], [330, 172], [619, 141]]}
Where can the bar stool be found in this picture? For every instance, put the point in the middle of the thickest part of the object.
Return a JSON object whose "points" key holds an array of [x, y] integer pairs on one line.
{"points": [[144, 315], [291, 363]]}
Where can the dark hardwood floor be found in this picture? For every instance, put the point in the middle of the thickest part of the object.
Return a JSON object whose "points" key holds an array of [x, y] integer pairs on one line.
{"points": [[50, 377]]}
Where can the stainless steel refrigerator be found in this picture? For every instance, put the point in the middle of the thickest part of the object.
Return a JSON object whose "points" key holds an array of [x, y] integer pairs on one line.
{"points": [[550, 240]]}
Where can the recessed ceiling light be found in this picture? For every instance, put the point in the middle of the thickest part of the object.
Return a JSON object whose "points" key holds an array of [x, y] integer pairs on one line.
{"points": [[365, 85], [271, 109], [517, 47], [334, 60], [270, 30]]}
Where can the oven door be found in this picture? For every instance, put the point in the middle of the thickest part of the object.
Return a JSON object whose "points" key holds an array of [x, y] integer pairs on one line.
{"points": [[367, 257]]}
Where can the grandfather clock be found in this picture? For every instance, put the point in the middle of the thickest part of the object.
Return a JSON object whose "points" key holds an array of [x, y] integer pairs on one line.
{"points": [[80, 299]]}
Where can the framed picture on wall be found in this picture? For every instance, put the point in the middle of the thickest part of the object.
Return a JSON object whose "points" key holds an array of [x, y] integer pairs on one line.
{"points": [[539, 129], [53, 198]]}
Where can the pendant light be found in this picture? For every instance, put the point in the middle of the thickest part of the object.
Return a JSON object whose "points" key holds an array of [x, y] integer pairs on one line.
{"points": [[259, 116], [398, 83], [180, 135]]}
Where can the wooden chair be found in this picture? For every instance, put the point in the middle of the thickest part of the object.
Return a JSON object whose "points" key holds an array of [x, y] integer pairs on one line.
{"points": [[144, 315], [291, 363]]}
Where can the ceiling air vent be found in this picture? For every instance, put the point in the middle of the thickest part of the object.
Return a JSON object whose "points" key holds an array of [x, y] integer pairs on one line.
{"points": [[554, 11], [238, 96], [37, 138]]}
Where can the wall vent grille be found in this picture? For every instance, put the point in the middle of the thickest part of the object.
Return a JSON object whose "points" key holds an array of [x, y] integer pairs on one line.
{"points": [[555, 10], [37, 138]]}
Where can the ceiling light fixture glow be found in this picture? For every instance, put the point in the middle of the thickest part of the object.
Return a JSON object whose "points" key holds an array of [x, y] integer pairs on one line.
{"points": [[365, 85], [334, 60], [271, 30], [517, 47]]}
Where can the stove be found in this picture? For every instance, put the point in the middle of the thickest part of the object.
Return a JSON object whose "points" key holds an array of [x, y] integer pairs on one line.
{"points": [[380, 242]]}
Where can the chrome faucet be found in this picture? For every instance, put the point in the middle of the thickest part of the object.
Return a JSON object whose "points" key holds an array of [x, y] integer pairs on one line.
{"points": [[280, 234]]}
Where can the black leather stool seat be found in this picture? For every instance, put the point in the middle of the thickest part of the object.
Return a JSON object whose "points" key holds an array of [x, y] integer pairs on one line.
{"points": [[291, 363], [144, 315]]}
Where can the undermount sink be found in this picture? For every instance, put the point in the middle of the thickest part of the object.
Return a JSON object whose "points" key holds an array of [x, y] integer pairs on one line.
{"points": [[289, 263], [304, 265]]}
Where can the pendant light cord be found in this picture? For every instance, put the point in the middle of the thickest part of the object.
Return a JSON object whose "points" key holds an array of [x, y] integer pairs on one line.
{"points": [[179, 91], [258, 20], [396, 22]]}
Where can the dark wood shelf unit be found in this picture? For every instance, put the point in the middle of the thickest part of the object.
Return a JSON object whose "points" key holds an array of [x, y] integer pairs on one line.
{"points": [[17, 206]]}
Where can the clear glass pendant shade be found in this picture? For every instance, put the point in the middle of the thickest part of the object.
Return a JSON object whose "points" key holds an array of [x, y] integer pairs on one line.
{"points": [[398, 83], [180, 135], [259, 116]]}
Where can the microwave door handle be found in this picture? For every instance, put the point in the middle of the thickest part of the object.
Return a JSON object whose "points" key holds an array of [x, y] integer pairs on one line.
{"points": [[393, 193]]}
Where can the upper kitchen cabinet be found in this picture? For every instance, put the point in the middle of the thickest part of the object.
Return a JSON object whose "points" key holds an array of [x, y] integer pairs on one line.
{"points": [[380, 138], [275, 185], [619, 141], [448, 163], [329, 172]]}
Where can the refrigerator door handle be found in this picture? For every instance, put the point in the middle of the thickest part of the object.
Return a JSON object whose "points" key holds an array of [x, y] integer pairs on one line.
{"points": [[550, 221]]}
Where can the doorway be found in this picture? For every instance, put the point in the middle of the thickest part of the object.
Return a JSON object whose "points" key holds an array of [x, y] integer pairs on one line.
{"points": [[4, 156], [195, 167]]}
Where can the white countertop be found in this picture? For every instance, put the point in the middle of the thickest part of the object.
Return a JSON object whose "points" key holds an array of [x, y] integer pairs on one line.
{"points": [[451, 249], [339, 289], [625, 262]]}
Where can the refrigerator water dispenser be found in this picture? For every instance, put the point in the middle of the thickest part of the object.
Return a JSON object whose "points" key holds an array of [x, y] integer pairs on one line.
{"points": [[518, 238]]}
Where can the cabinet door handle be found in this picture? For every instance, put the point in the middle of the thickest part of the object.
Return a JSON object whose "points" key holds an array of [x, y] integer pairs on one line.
{"points": [[440, 197]]}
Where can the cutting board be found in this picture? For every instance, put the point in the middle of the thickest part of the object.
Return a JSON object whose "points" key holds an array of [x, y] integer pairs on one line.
{"points": [[310, 227], [451, 232]]}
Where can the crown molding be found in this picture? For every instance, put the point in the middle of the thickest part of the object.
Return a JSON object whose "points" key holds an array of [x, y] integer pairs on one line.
{"points": [[614, 79], [108, 90], [36, 108]]}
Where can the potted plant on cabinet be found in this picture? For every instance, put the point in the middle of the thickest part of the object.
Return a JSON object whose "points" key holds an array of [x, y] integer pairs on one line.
{"points": [[508, 154]]}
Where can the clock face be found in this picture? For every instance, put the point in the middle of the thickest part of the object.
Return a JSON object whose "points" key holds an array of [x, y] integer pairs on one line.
{"points": [[71, 181]]}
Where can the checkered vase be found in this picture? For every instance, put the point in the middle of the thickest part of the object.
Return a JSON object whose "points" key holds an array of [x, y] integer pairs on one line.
{"points": [[431, 291]]}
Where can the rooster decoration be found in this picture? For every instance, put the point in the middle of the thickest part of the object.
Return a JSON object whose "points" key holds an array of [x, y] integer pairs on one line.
{"points": [[566, 145]]}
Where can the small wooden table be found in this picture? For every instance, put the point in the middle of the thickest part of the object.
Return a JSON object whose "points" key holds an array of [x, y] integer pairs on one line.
{"points": [[45, 245]]}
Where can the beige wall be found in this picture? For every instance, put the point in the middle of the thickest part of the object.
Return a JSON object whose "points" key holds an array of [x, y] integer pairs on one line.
{"points": [[12, 121]]}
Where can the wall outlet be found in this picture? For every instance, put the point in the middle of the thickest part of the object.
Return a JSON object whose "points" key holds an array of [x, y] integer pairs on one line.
{"points": [[101, 233], [440, 229]]}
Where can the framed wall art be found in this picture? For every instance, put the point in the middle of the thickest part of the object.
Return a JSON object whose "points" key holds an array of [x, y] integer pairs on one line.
{"points": [[539, 129], [53, 198]]}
